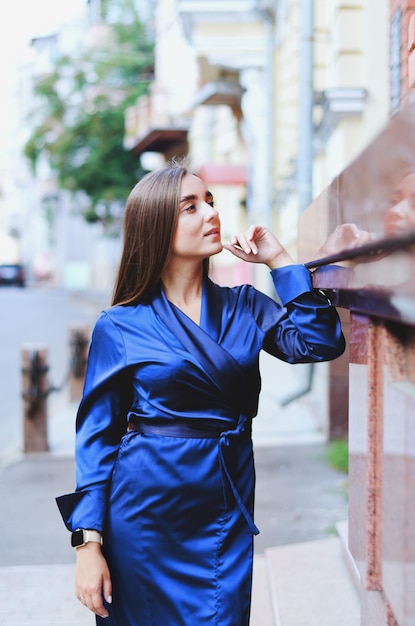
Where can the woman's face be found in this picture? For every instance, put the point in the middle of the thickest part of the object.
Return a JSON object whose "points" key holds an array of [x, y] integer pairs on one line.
{"points": [[198, 229]]}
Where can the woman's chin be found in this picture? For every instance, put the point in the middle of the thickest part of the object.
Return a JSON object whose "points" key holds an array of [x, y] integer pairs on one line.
{"points": [[220, 248]]}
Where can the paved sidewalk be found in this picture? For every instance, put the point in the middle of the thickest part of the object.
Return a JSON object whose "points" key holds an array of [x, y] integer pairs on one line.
{"points": [[299, 498], [40, 595]]}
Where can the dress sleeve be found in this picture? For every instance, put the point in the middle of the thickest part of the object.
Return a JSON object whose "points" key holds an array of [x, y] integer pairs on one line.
{"points": [[310, 328], [100, 424]]}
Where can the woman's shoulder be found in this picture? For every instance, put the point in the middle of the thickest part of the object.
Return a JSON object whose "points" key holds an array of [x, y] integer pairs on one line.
{"points": [[121, 316], [249, 301]]}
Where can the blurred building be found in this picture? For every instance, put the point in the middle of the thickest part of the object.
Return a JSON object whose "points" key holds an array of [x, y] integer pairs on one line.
{"points": [[53, 242], [50, 235], [271, 99]]}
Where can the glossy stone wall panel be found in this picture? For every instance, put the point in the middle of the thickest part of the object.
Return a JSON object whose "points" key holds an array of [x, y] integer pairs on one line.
{"points": [[399, 474], [365, 191], [358, 441], [358, 466], [359, 325], [339, 387], [377, 193], [374, 504], [357, 511], [394, 539]]}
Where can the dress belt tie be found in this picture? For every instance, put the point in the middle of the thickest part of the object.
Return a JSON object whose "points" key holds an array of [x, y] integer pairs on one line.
{"points": [[175, 428]]}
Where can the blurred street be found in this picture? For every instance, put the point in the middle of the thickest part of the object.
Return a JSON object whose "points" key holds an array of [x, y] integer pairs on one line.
{"points": [[36, 316]]}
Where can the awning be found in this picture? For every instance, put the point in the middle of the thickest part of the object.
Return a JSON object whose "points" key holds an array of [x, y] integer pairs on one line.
{"points": [[161, 140], [223, 174]]}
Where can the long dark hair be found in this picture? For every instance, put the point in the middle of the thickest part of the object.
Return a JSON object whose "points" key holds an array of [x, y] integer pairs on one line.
{"points": [[150, 221]]}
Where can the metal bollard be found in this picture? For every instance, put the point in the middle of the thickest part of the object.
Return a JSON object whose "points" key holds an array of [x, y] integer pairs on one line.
{"points": [[34, 393], [79, 343]]}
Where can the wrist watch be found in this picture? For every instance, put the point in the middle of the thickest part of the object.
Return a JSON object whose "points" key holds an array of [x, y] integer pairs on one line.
{"points": [[81, 536]]}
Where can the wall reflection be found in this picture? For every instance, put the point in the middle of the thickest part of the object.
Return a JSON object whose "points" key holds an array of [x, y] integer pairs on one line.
{"points": [[400, 218], [371, 205]]}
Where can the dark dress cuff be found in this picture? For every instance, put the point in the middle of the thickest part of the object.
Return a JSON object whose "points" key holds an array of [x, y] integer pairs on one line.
{"points": [[83, 509], [291, 281]]}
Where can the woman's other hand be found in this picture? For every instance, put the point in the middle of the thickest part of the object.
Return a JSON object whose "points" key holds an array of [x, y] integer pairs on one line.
{"points": [[259, 245], [93, 580]]}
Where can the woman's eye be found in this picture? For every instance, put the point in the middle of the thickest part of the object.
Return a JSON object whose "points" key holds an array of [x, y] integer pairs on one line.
{"points": [[212, 204], [190, 208]]}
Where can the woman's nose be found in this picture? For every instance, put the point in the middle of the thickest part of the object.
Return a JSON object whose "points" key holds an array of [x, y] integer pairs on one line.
{"points": [[211, 211]]}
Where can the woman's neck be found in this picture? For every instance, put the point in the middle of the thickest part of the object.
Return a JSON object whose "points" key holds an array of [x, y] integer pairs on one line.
{"points": [[183, 287]]}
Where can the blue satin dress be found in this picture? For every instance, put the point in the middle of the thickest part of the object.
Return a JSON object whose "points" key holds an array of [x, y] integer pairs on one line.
{"points": [[174, 496]]}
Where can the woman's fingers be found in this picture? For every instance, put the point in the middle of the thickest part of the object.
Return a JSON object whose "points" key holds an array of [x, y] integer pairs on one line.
{"points": [[259, 245], [246, 241], [93, 602], [97, 606]]}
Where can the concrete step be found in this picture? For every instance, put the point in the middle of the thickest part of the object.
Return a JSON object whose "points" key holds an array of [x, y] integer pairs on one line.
{"points": [[261, 607], [311, 585]]}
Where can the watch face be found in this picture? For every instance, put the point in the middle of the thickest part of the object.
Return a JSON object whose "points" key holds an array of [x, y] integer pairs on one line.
{"points": [[77, 538]]}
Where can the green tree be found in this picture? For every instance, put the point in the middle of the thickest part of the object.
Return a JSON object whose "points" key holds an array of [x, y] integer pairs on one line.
{"points": [[79, 115]]}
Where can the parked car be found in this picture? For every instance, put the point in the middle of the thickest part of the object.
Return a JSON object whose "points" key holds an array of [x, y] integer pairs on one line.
{"points": [[12, 274]]}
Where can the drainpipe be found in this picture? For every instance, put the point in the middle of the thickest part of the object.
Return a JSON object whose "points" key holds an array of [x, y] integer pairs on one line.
{"points": [[268, 19], [305, 143], [269, 146]]}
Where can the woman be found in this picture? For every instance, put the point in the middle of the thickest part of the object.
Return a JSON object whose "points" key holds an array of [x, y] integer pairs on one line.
{"points": [[164, 458]]}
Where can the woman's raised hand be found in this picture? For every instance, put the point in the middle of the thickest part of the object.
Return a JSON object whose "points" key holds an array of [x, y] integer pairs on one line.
{"points": [[259, 245]]}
